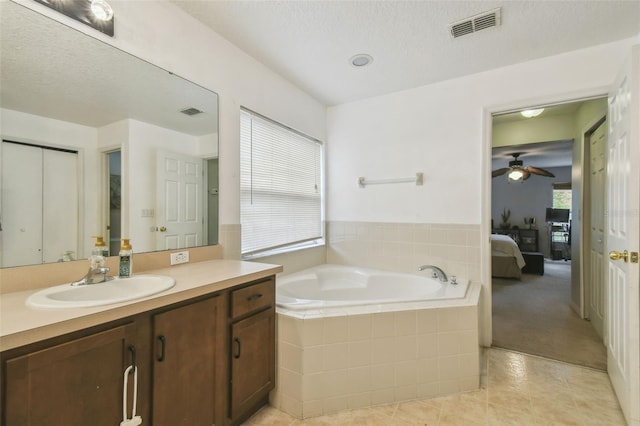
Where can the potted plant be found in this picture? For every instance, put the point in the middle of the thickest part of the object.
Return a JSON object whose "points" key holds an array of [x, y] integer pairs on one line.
{"points": [[506, 214]]}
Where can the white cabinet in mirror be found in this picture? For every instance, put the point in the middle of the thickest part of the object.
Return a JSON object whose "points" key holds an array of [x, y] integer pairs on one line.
{"points": [[120, 148]]}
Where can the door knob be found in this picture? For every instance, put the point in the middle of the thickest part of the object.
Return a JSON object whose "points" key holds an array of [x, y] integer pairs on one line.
{"points": [[162, 229], [616, 255]]}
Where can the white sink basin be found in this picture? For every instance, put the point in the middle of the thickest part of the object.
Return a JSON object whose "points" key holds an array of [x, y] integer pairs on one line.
{"points": [[114, 291]]}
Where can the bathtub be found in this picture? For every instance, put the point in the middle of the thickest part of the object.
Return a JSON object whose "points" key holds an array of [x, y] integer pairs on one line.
{"points": [[328, 286], [352, 337]]}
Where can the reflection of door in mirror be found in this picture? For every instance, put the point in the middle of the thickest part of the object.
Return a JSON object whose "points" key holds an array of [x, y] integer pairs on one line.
{"points": [[115, 202], [212, 199], [180, 186], [39, 204]]}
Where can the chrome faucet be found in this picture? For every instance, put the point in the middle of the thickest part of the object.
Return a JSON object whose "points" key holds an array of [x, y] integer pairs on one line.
{"points": [[437, 272], [94, 276]]}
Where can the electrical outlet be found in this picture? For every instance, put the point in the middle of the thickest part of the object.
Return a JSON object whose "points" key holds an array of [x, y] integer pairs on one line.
{"points": [[179, 257]]}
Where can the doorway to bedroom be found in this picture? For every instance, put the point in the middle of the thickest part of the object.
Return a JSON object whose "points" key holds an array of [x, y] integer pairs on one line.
{"points": [[538, 195]]}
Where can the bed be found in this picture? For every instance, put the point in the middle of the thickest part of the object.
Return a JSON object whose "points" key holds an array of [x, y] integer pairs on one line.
{"points": [[506, 258]]}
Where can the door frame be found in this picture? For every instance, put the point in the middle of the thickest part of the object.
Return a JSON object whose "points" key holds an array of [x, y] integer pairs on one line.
{"points": [[486, 308]]}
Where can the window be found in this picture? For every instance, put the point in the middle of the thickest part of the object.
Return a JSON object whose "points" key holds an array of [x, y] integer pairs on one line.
{"points": [[280, 186], [562, 195]]}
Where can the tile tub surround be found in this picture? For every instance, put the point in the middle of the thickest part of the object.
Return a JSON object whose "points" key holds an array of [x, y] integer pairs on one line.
{"points": [[328, 364], [402, 247], [516, 389]]}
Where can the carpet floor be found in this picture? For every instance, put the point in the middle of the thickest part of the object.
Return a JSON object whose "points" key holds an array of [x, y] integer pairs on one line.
{"points": [[534, 316]]}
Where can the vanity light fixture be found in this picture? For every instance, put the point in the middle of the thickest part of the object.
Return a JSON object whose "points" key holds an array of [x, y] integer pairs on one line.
{"points": [[97, 14], [530, 113], [361, 60], [101, 10]]}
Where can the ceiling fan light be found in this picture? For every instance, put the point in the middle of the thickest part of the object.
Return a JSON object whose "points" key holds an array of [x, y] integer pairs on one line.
{"points": [[515, 175], [530, 113]]}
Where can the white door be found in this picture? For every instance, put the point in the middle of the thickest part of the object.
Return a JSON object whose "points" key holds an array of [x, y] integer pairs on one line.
{"points": [[622, 217], [598, 146], [179, 198], [21, 205], [59, 204], [40, 204]]}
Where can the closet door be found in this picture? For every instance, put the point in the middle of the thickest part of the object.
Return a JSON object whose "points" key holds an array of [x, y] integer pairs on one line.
{"points": [[39, 204], [59, 204], [21, 205]]}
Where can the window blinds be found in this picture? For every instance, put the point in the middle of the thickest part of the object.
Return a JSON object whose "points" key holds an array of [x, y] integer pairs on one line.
{"points": [[280, 185]]}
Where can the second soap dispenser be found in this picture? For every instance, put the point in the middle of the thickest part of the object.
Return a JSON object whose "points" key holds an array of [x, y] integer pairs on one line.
{"points": [[126, 259]]}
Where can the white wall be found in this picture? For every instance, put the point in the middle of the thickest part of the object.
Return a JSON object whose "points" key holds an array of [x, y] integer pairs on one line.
{"points": [[444, 130]]}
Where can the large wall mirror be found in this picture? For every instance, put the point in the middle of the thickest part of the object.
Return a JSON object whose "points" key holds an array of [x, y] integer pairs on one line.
{"points": [[97, 142]]}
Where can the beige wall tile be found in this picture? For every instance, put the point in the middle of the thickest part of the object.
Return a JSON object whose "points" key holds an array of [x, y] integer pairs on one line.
{"points": [[448, 343], [427, 321], [359, 400], [313, 332], [383, 396], [335, 330], [313, 359], [383, 325], [405, 323], [405, 348], [359, 380], [360, 353], [427, 345], [383, 377], [405, 373], [335, 356], [448, 367], [359, 327], [313, 387], [383, 350]]}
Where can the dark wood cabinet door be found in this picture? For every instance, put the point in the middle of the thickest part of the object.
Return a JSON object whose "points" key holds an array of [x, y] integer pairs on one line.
{"points": [[75, 383], [184, 364], [252, 361]]}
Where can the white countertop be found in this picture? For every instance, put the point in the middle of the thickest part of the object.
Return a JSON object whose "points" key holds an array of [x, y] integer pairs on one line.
{"points": [[21, 325]]}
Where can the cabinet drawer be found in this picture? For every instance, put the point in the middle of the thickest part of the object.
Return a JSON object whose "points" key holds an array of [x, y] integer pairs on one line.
{"points": [[252, 298]]}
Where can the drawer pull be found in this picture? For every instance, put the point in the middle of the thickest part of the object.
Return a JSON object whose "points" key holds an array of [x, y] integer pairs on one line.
{"points": [[163, 344], [254, 297], [237, 342]]}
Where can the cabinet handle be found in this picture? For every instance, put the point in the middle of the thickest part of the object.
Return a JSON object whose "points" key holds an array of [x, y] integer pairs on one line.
{"points": [[254, 297], [237, 342], [132, 350], [163, 344]]}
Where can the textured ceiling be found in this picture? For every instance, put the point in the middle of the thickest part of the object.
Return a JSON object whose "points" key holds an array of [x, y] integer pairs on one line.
{"points": [[310, 42], [51, 70]]}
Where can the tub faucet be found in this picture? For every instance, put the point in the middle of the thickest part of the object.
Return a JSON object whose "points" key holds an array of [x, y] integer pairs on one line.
{"points": [[437, 272], [94, 276]]}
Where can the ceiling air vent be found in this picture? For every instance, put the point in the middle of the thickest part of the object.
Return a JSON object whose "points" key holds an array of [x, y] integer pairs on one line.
{"points": [[475, 23], [191, 111]]}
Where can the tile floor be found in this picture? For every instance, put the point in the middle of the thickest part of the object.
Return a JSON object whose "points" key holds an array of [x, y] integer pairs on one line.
{"points": [[516, 389]]}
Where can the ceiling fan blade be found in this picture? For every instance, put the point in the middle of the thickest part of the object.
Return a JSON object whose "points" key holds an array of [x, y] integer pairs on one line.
{"points": [[539, 171], [500, 172], [526, 174]]}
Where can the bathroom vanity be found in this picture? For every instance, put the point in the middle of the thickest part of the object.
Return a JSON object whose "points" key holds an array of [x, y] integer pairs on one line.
{"points": [[204, 352]]}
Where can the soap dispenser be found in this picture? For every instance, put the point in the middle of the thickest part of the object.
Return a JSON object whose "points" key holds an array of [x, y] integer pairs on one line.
{"points": [[126, 259], [100, 247], [97, 254]]}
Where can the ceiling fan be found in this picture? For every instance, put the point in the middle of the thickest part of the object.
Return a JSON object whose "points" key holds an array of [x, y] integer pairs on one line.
{"points": [[518, 172]]}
